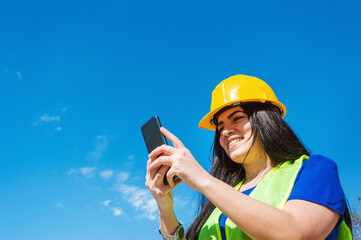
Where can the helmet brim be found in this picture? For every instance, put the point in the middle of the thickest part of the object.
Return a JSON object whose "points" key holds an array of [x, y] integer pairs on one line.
{"points": [[207, 120]]}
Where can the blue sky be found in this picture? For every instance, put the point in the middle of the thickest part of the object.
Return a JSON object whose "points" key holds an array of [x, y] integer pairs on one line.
{"points": [[79, 78]]}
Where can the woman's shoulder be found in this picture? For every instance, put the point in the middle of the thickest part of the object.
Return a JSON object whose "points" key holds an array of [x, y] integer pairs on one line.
{"points": [[318, 167], [320, 162], [318, 181]]}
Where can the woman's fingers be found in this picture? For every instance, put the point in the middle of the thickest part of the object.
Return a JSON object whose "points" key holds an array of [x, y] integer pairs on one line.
{"points": [[150, 174], [160, 174], [176, 142], [156, 185], [170, 174], [162, 160], [173, 181], [160, 164], [157, 175], [164, 149], [154, 173]]}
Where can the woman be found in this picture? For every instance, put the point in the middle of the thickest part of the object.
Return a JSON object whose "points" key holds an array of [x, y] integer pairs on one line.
{"points": [[263, 183]]}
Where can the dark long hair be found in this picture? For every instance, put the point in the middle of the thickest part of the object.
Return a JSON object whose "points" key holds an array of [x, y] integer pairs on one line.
{"points": [[279, 142]]}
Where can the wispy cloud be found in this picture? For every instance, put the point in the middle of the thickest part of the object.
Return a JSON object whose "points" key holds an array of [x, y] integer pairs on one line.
{"points": [[140, 198], [59, 205], [71, 171], [19, 75], [87, 172], [129, 161], [122, 176], [117, 211], [106, 202], [46, 118], [101, 144], [11, 73], [106, 174]]}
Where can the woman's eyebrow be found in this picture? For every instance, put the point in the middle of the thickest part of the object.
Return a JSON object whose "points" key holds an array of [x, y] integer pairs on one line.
{"points": [[230, 116]]}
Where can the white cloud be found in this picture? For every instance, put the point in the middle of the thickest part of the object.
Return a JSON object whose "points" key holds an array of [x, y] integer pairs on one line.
{"points": [[122, 176], [59, 205], [117, 211], [71, 171], [150, 209], [140, 199], [101, 144], [129, 162], [11, 73], [19, 75], [106, 174], [58, 129], [106, 202], [88, 172], [46, 118], [91, 172]]}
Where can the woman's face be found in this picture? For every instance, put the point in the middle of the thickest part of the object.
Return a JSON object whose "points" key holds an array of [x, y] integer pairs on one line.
{"points": [[235, 133]]}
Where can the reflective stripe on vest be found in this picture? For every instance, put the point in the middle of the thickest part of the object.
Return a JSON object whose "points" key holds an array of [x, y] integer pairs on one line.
{"points": [[274, 190]]}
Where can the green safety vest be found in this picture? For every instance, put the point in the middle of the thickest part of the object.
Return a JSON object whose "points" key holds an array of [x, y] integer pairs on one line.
{"points": [[274, 190]]}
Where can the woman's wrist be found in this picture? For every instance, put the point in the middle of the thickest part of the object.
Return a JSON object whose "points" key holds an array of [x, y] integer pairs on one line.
{"points": [[165, 203], [177, 235], [168, 221], [165, 207]]}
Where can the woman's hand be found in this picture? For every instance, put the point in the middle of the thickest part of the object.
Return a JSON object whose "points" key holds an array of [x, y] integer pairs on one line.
{"points": [[154, 181], [163, 195], [180, 162]]}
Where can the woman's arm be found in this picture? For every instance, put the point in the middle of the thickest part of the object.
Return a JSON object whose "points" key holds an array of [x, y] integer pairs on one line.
{"points": [[299, 219], [163, 195]]}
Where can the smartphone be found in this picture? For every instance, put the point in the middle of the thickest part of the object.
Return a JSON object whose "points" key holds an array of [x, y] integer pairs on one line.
{"points": [[154, 138]]}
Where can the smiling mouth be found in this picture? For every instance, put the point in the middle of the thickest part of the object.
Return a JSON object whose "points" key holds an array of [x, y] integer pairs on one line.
{"points": [[234, 142]]}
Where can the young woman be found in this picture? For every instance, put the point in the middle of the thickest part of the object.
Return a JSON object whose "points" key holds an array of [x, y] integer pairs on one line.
{"points": [[263, 184]]}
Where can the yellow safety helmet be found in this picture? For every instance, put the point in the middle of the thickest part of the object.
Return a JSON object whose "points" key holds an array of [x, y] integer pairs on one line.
{"points": [[239, 89]]}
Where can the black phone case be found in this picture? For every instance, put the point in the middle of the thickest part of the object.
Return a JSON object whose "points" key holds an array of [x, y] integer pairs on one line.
{"points": [[153, 138]]}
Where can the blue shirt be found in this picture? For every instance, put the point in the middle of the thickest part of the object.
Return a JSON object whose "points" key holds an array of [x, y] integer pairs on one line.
{"points": [[318, 182]]}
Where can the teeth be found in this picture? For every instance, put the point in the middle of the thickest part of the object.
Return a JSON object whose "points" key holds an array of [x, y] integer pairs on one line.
{"points": [[234, 141]]}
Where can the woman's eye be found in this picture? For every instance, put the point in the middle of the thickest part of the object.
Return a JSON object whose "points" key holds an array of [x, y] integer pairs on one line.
{"points": [[237, 118]]}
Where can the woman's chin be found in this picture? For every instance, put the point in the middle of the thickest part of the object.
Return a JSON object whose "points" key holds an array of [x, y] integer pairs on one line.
{"points": [[236, 157]]}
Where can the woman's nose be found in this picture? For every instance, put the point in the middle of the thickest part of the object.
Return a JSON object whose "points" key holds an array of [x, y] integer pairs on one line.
{"points": [[227, 131]]}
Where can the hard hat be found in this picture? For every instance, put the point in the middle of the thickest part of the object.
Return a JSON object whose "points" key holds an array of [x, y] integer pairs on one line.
{"points": [[239, 89]]}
